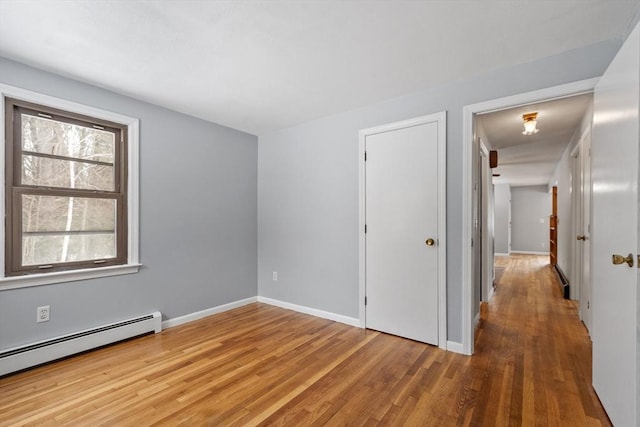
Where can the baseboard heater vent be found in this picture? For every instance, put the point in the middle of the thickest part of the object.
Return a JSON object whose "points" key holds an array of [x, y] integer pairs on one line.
{"points": [[20, 358], [564, 282]]}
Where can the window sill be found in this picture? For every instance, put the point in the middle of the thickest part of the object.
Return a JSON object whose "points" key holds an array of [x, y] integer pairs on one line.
{"points": [[16, 282]]}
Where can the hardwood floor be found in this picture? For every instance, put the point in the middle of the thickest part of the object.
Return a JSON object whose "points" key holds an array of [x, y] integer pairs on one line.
{"points": [[261, 365]]}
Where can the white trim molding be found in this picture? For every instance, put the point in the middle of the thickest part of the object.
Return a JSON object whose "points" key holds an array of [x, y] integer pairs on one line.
{"points": [[170, 323], [66, 276], [133, 215], [351, 321], [455, 347], [176, 321], [441, 119], [468, 113]]}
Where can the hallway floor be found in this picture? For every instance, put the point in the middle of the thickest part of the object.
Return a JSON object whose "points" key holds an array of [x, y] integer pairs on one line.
{"points": [[536, 351]]}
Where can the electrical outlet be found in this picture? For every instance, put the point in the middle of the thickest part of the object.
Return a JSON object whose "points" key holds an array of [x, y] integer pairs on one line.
{"points": [[43, 313], [275, 276]]}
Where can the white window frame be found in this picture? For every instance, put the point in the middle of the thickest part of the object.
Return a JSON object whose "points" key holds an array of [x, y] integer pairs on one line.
{"points": [[132, 265]]}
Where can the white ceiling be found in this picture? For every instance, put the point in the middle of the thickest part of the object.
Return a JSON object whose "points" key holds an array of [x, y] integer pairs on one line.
{"points": [[532, 159], [259, 66]]}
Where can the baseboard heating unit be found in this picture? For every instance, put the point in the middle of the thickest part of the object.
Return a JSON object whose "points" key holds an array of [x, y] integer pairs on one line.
{"points": [[19, 358], [564, 282]]}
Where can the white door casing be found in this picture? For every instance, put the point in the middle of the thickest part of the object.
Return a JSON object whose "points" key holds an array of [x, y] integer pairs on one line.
{"points": [[615, 158], [402, 203]]}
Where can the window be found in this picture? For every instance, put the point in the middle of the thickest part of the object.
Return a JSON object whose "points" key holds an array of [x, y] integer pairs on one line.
{"points": [[67, 198]]}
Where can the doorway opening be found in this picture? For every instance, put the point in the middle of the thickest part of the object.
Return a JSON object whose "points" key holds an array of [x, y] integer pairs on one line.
{"points": [[518, 190]]}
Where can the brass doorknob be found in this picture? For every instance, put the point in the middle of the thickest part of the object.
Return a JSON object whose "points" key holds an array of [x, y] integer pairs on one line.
{"points": [[430, 242], [583, 238], [619, 259]]}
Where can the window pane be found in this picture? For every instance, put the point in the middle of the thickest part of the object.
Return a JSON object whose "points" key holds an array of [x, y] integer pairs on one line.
{"points": [[64, 229], [51, 249], [48, 136], [47, 172]]}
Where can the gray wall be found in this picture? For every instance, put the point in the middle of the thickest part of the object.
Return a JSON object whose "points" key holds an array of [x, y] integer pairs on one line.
{"points": [[502, 198], [198, 222], [530, 210], [308, 184]]}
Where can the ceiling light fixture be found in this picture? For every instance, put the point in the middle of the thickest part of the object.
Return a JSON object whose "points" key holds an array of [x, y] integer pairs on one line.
{"points": [[530, 123]]}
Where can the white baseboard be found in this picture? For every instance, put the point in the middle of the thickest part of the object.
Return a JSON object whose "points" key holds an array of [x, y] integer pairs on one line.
{"points": [[500, 254], [529, 253], [208, 312], [351, 321], [455, 347]]}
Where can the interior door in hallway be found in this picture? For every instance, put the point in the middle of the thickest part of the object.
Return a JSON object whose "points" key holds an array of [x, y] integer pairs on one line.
{"points": [[614, 156], [402, 248], [584, 235]]}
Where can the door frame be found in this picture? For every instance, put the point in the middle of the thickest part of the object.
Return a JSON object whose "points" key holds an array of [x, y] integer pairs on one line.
{"points": [[468, 132], [441, 119], [488, 228]]}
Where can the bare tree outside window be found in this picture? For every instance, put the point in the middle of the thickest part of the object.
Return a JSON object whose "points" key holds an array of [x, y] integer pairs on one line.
{"points": [[66, 190]]}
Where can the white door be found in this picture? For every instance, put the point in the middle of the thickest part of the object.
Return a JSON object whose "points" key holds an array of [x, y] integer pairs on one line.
{"points": [[581, 206], [576, 230], [585, 232], [401, 214], [614, 302]]}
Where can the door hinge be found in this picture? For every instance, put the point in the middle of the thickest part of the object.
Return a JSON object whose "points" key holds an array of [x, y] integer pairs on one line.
{"points": [[365, 156], [472, 242], [365, 229], [365, 300]]}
